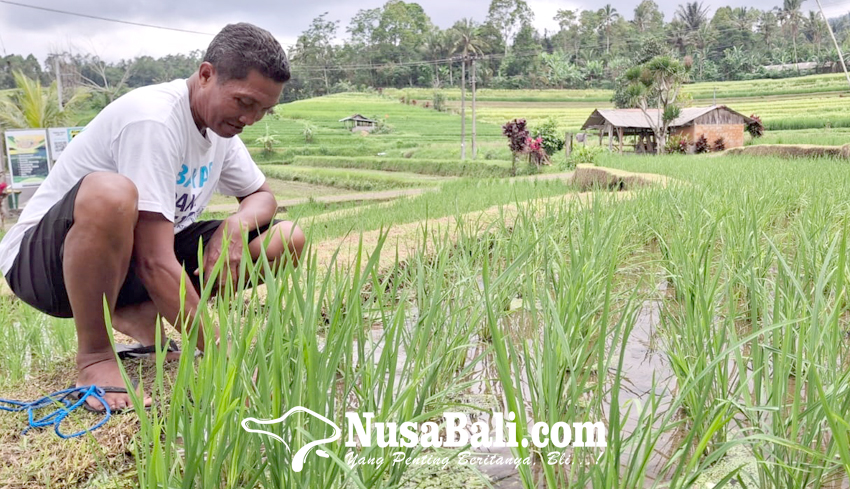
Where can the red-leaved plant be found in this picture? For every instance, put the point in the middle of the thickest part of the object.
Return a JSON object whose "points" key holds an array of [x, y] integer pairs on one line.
{"points": [[755, 127]]}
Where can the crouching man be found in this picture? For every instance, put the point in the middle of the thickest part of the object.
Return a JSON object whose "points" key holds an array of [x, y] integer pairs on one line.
{"points": [[116, 217]]}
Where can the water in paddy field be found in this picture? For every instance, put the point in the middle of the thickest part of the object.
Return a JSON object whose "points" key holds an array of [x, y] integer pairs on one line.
{"points": [[646, 374], [642, 362]]}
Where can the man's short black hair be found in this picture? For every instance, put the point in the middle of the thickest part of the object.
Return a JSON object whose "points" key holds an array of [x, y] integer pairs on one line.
{"points": [[239, 48]]}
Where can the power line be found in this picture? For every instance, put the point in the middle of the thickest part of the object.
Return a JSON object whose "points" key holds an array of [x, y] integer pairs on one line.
{"points": [[107, 19]]}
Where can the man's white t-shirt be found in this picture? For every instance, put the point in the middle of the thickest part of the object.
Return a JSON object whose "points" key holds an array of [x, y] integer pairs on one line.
{"points": [[149, 136]]}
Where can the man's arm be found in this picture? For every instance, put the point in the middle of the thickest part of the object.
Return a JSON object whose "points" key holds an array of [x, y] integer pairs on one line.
{"points": [[161, 273], [255, 210]]}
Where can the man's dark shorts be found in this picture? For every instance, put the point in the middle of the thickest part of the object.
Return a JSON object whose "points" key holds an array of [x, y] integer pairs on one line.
{"points": [[37, 276]]}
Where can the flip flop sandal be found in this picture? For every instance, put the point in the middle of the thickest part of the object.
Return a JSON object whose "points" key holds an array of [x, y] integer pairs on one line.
{"points": [[140, 351], [76, 395]]}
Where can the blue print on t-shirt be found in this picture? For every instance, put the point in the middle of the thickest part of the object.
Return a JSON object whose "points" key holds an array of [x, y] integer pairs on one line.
{"points": [[198, 178]]}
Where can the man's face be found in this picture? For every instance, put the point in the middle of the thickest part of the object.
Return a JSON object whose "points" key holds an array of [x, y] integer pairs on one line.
{"points": [[228, 107]]}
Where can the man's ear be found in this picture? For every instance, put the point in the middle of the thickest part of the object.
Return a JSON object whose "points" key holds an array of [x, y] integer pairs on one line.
{"points": [[206, 73]]}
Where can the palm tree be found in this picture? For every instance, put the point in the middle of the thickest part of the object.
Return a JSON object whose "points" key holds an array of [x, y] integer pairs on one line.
{"points": [[767, 27], [435, 47], [702, 38], [743, 19], [693, 15], [466, 34], [791, 18], [643, 15], [813, 29], [678, 35], [608, 15], [32, 105]]}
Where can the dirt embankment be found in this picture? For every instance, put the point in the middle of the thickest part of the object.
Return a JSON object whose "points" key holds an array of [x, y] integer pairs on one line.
{"points": [[403, 240], [793, 151]]}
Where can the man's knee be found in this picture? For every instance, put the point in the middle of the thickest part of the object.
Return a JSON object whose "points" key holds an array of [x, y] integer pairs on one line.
{"points": [[108, 198], [295, 238], [292, 237]]}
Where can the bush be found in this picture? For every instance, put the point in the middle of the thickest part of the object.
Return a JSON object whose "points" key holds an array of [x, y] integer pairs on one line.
{"points": [[439, 102], [551, 138], [267, 142], [677, 144], [701, 145], [584, 154], [309, 132], [719, 144], [756, 127], [381, 127]]}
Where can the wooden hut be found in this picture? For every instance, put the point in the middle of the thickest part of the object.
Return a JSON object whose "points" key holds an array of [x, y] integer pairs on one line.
{"points": [[357, 122], [713, 122]]}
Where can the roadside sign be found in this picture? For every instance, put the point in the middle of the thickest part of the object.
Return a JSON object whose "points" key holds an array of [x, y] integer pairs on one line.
{"points": [[59, 138], [26, 152]]}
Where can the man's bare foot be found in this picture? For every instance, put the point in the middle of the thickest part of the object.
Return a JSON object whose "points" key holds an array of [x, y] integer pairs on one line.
{"points": [[101, 369]]}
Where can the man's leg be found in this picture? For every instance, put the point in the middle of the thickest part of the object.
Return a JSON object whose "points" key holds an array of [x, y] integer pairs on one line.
{"points": [[282, 237], [138, 321], [97, 253]]}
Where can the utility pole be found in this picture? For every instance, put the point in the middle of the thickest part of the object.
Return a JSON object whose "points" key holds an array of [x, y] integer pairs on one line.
{"points": [[473, 106], [463, 107], [837, 48], [58, 81]]}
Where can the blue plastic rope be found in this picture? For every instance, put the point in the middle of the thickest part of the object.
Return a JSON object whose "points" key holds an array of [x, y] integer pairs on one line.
{"points": [[65, 408]]}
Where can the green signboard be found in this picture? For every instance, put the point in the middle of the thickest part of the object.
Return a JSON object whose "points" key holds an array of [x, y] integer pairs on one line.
{"points": [[26, 150]]}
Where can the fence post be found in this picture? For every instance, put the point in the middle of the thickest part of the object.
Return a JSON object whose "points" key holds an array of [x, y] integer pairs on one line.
{"points": [[568, 144]]}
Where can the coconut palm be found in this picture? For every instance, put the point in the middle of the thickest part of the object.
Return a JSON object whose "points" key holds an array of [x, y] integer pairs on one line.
{"points": [[791, 18], [647, 15], [466, 34], [608, 15], [678, 35], [436, 47], [693, 15], [767, 27], [743, 19], [32, 105], [813, 29]]}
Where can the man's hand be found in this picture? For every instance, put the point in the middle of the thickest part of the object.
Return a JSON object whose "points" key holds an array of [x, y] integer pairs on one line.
{"points": [[229, 236], [161, 273]]}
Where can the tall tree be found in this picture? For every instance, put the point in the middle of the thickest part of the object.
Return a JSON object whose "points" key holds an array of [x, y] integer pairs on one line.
{"points": [[362, 28], [693, 15], [436, 46], [648, 17], [608, 14], [814, 28], [791, 18], [508, 16], [656, 85], [768, 24], [314, 48], [28, 66], [566, 20]]}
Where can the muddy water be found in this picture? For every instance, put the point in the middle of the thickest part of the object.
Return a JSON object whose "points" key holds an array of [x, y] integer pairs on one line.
{"points": [[643, 362]]}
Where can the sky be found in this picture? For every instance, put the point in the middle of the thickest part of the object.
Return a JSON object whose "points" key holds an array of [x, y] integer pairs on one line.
{"points": [[26, 30]]}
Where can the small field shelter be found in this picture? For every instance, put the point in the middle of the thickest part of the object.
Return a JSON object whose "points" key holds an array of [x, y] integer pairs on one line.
{"points": [[717, 121]]}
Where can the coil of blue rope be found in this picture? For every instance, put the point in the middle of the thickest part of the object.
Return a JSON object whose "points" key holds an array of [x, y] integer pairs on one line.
{"points": [[64, 407]]}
